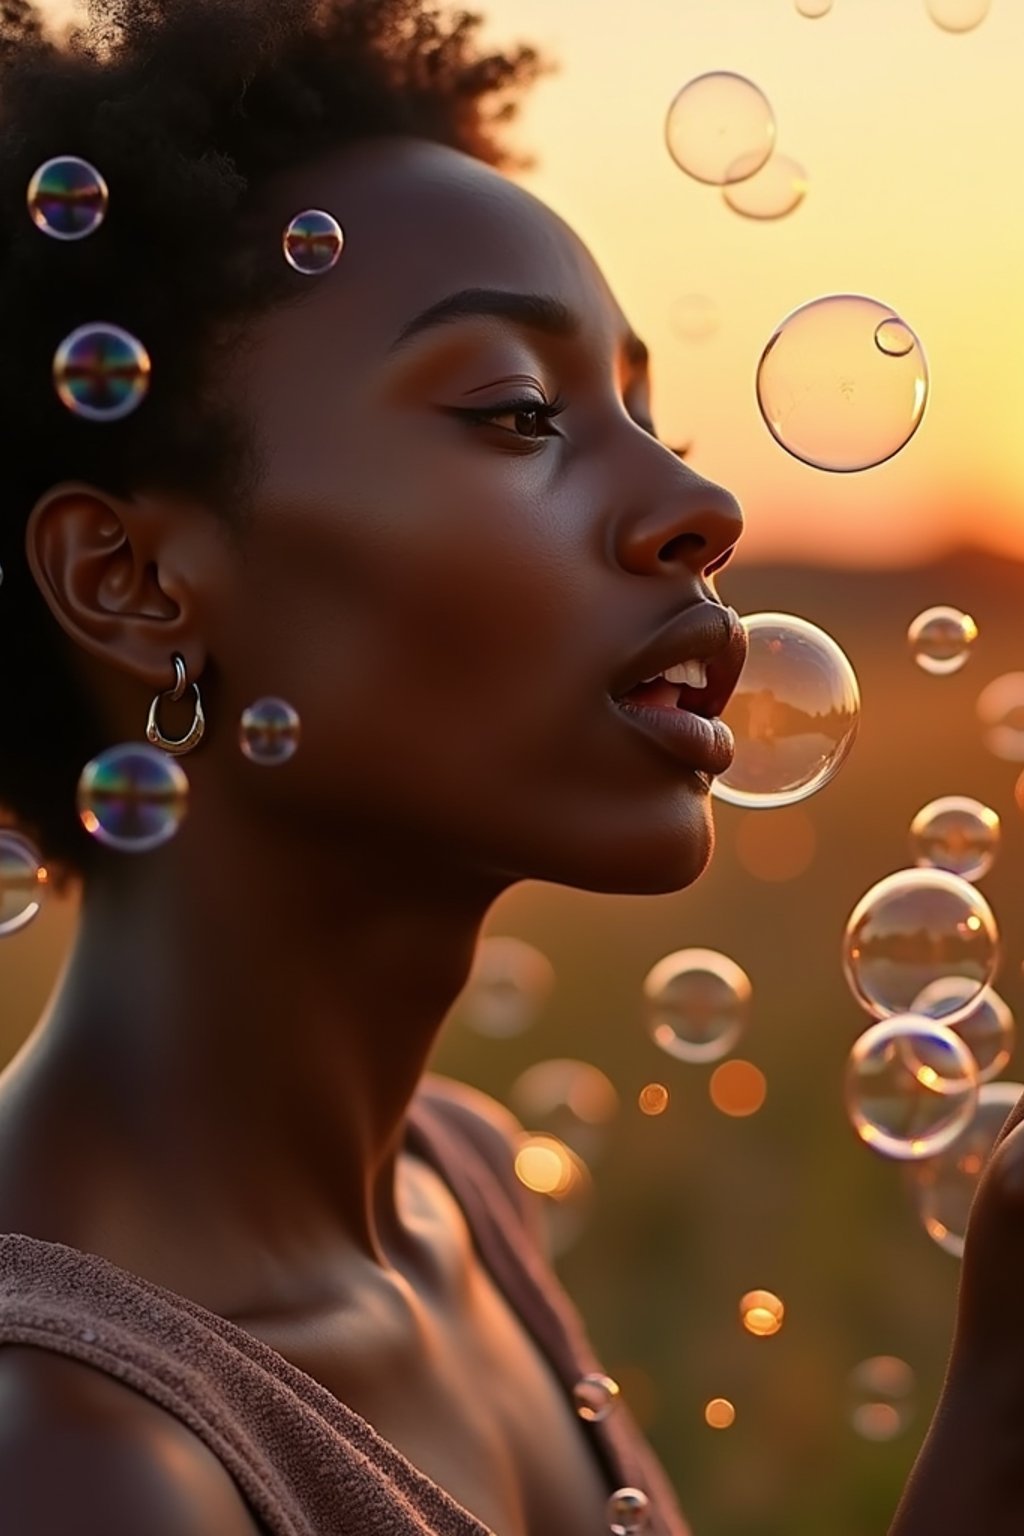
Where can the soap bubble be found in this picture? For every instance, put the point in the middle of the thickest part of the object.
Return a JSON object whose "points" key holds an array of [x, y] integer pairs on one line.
{"points": [[313, 242], [762, 1313], [956, 833], [794, 714], [508, 986], [988, 1028], [595, 1396], [831, 394], [572, 1100], [628, 1512], [653, 1099], [813, 8], [940, 639], [697, 1003], [719, 1413], [132, 797], [911, 1086], [101, 372], [772, 192], [1000, 709], [269, 732], [943, 1187], [913, 928], [67, 198], [720, 128], [957, 15], [695, 316], [545, 1165], [881, 1391], [22, 882]]}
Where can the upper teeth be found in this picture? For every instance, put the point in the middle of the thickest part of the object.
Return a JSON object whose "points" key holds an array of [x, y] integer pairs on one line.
{"points": [[693, 673]]}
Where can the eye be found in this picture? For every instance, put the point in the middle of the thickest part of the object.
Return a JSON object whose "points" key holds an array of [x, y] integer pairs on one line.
{"points": [[526, 415]]}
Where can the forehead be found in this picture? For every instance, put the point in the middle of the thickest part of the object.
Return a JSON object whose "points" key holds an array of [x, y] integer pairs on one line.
{"points": [[422, 221]]}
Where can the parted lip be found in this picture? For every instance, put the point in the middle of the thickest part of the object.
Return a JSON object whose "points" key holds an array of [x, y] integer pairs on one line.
{"points": [[704, 631]]}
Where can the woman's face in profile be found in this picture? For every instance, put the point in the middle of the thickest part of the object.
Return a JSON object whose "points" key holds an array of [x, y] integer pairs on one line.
{"points": [[464, 540]]}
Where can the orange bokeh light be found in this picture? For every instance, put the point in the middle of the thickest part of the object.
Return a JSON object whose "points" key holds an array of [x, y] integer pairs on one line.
{"points": [[738, 1088]]}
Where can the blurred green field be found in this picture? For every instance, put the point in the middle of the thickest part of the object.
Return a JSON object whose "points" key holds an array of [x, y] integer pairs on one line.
{"points": [[693, 1208]]}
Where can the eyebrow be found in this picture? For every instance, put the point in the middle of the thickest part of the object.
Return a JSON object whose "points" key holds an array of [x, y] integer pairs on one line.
{"points": [[532, 311]]}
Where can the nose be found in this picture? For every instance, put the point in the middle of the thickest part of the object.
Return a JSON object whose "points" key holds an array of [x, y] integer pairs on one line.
{"points": [[685, 523]]}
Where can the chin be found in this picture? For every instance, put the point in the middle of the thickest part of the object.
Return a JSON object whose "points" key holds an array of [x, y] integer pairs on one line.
{"points": [[637, 860]]}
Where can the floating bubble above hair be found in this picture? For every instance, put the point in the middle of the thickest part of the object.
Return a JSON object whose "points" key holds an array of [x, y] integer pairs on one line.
{"points": [[772, 192], [22, 882], [595, 1396], [132, 797], [988, 1029], [842, 383], [762, 1313], [813, 8], [1000, 709], [269, 732], [956, 833], [957, 15], [881, 1397], [67, 198], [628, 1512], [943, 1187], [911, 1086], [720, 128], [697, 1003], [695, 316], [508, 987], [794, 715], [101, 372], [913, 928], [313, 242], [940, 639]]}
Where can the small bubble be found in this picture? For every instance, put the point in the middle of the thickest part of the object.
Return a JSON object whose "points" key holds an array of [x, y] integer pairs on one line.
{"points": [[653, 1099], [508, 986], [881, 1397], [572, 1100], [719, 1413], [955, 833], [957, 15], [1000, 709], [911, 1087], [988, 1029], [628, 1512], [943, 1187], [67, 198], [101, 372], [595, 1397], [776, 189], [720, 128], [697, 1002], [132, 797], [313, 242], [894, 338], [762, 1313], [22, 882], [940, 639], [269, 732]]}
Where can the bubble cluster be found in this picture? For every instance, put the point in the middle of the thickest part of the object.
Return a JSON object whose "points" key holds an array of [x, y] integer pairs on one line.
{"points": [[956, 833], [628, 1512], [269, 732], [958, 15], [794, 714], [22, 882], [772, 192], [842, 383], [943, 1187], [313, 242], [132, 797], [762, 1313], [595, 1396], [1000, 709], [720, 128], [697, 1003], [881, 1397], [508, 987], [913, 928], [101, 373], [940, 639], [911, 1086], [67, 198], [988, 1029]]}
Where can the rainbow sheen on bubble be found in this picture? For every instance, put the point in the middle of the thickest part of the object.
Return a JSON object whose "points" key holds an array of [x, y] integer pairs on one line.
{"points": [[831, 394], [911, 1086], [132, 797], [628, 1512], [67, 198], [794, 714], [776, 189], [269, 732], [940, 639], [697, 1003], [942, 1188], [956, 833], [101, 372], [720, 128], [988, 1028], [313, 242], [913, 928], [22, 882]]}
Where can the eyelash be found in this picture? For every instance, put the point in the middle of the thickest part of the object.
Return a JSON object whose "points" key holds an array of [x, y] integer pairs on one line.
{"points": [[545, 410]]}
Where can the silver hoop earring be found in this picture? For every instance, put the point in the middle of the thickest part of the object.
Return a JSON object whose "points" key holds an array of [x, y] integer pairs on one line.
{"points": [[198, 726]]}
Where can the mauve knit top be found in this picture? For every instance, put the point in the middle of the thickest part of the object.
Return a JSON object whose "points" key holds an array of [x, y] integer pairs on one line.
{"points": [[306, 1464]]}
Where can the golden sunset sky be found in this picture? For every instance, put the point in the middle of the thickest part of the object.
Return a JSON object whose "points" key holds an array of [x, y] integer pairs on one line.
{"points": [[913, 143]]}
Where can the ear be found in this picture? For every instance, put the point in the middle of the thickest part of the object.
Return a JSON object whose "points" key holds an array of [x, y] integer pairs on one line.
{"points": [[116, 577]]}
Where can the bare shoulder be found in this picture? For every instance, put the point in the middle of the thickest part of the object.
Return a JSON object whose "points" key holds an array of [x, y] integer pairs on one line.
{"points": [[83, 1452]]}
